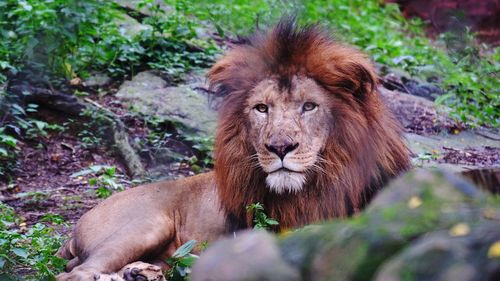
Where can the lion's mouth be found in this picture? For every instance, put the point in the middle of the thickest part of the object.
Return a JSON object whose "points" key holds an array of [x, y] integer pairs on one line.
{"points": [[283, 169]]}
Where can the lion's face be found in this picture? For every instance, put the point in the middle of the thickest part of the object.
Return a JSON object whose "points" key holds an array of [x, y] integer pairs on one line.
{"points": [[289, 127]]}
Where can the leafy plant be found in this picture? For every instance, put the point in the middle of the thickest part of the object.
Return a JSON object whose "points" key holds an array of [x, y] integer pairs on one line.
{"points": [[204, 146], [105, 179], [92, 131], [8, 145], [181, 262], [16, 124], [28, 247], [261, 221]]}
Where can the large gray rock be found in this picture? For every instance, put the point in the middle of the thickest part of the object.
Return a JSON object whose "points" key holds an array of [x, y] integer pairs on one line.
{"points": [[434, 137], [148, 94], [253, 256]]}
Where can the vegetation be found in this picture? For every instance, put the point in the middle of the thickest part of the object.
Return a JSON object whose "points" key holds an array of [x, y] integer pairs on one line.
{"points": [[465, 70], [29, 249], [181, 262], [261, 220], [104, 180]]}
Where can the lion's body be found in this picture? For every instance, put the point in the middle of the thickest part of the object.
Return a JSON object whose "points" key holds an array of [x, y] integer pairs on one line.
{"points": [[146, 223], [301, 130]]}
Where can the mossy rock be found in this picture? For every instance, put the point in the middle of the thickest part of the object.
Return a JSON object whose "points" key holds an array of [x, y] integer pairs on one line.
{"points": [[419, 202]]}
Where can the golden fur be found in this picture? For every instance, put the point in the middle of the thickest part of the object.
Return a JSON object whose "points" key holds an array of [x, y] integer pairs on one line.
{"points": [[359, 149]]}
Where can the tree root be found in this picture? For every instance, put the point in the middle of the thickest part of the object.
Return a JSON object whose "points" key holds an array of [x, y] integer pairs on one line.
{"points": [[73, 106]]}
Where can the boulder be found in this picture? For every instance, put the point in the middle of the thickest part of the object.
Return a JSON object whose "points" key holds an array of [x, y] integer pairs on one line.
{"points": [[149, 94], [252, 256]]}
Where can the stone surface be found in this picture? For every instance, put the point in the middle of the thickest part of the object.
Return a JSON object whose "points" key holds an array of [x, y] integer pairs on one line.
{"points": [[97, 80], [150, 95], [252, 256], [435, 139], [447, 255], [129, 26]]}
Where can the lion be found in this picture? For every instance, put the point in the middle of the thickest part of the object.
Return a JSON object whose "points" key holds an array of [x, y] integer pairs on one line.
{"points": [[301, 130]]}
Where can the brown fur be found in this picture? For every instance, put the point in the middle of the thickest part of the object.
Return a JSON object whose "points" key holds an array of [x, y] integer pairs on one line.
{"points": [[363, 151]]}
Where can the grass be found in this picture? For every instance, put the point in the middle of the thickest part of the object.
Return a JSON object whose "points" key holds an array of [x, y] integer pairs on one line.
{"points": [[466, 71]]}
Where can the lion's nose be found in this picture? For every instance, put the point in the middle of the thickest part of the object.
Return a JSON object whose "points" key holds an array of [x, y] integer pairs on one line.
{"points": [[281, 149]]}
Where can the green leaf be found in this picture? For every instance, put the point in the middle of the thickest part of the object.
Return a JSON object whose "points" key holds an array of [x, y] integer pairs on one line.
{"points": [[23, 253], [188, 260], [185, 249], [110, 171], [81, 173], [441, 99], [40, 124], [8, 140], [272, 222]]}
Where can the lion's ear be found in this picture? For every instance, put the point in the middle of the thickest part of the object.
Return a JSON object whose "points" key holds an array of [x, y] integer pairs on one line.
{"points": [[237, 71], [217, 75], [363, 79]]}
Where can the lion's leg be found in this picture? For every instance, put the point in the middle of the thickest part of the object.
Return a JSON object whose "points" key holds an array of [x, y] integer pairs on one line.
{"points": [[132, 242]]}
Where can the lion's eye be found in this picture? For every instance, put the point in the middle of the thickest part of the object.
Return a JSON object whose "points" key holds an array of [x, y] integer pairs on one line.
{"points": [[262, 108], [308, 106]]}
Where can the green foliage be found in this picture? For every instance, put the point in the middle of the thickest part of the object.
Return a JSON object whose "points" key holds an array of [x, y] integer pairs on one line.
{"points": [[261, 221], [8, 145], [51, 35], [28, 247], [205, 148], [181, 262], [91, 133], [454, 62], [18, 125], [240, 16], [105, 179], [65, 39]]}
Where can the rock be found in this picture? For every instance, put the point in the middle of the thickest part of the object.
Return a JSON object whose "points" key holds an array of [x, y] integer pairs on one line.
{"points": [[129, 26], [447, 255], [415, 207], [97, 80], [252, 256], [416, 114], [436, 140], [398, 80], [419, 202], [467, 150], [150, 95]]}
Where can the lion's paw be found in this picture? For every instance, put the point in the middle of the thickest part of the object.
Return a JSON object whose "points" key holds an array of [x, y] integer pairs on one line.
{"points": [[141, 271], [85, 276], [108, 277]]}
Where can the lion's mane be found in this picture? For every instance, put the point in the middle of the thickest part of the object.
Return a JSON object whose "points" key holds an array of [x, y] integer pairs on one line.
{"points": [[364, 148]]}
